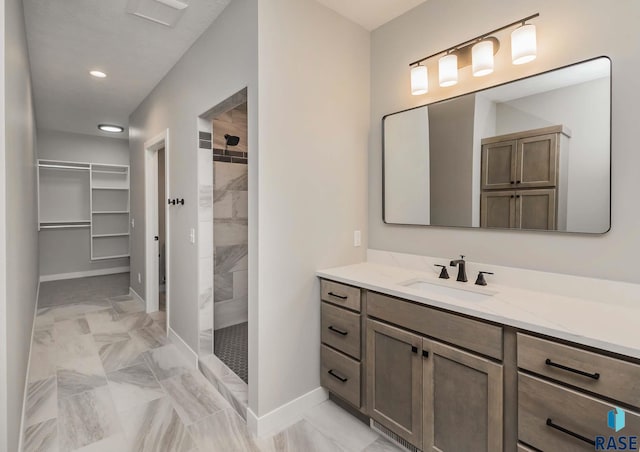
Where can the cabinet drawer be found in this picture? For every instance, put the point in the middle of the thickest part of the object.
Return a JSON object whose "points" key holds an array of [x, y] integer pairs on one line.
{"points": [[610, 377], [470, 334], [546, 409], [341, 329], [340, 375], [340, 294]]}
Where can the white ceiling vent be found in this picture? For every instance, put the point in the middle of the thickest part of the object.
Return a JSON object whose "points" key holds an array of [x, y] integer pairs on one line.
{"points": [[163, 12]]}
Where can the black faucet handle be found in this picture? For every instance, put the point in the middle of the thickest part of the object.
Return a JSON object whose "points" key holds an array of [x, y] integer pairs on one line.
{"points": [[480, 281], [443, 273]]}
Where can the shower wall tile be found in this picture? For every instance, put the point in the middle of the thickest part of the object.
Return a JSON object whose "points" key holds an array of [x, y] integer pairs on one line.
{"points": [[240, 204], [223, 204], [230, 232], [206, 317], [230, 258], [240, 284], [230, 177], [205, 168], [205, 203], [223, 287], [205, 244]]}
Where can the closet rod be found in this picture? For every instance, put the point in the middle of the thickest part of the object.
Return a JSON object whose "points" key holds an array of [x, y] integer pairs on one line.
{"points": [[64, 167]]}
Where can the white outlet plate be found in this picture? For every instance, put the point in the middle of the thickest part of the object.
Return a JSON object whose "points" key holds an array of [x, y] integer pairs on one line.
{"points": [[357, 238]]}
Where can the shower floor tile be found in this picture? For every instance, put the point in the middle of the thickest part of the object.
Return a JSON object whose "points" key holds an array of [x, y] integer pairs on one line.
{"points": [[230, 345]]}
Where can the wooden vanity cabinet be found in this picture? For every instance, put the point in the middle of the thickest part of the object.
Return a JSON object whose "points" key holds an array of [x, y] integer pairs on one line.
{"points": [[426, 391], [341, 370]]}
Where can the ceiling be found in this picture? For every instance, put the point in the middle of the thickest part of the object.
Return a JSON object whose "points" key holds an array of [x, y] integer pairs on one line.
{"points": [[68, 38], [371, 13]]}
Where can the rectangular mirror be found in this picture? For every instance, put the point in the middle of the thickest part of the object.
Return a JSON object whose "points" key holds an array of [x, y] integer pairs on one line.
{"points": [[533, 154]]}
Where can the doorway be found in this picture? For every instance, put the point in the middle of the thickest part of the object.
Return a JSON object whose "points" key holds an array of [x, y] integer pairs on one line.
{"points": [[157, 225]]}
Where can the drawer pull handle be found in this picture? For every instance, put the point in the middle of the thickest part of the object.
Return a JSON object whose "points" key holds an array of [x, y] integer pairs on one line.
{"points": [[595, 376], [414, 349], [570, 433], [338, 330], [338, 376], [342, 297]]}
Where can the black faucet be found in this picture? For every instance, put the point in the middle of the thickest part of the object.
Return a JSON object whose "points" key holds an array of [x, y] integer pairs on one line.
{"points": [[462, 269]]}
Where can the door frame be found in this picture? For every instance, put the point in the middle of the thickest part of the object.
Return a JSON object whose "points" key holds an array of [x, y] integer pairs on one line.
{"points": [[152, 260]]}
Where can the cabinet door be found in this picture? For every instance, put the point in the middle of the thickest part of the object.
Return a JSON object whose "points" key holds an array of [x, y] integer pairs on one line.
{"points": [[537, 161], [499, 165], [497, 209], [536, 209], [462, 401], [394, 380]]}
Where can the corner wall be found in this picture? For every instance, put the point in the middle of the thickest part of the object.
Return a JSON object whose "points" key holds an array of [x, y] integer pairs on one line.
{"points": [[565, 35], [213, 69], [19, 222], [314, 125]]}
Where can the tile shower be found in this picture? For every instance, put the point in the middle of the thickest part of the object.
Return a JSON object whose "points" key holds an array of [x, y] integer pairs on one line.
{"points": [[224, 209]]}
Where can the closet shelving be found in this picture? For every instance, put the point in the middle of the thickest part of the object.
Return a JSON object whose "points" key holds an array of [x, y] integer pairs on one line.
{"points": [[78, 195]]}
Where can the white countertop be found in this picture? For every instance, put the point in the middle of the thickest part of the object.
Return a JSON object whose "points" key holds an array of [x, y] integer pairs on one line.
{"points": [[607, 326]]}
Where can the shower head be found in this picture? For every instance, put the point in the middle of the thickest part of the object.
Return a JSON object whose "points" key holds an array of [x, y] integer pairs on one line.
{"points": [[231, 140]]}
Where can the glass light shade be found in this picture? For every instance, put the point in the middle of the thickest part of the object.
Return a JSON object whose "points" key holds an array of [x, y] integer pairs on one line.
{"points": [[482, 58], [448, 70], [419, 80], [523, 44]]}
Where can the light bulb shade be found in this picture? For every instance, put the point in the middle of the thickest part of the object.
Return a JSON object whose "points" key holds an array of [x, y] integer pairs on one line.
{"points": [[482, 58], [524, 45], [448, 70], [419, 80]]}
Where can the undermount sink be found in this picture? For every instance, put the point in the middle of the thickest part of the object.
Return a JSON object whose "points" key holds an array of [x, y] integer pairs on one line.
{"points": [[428, 288]]}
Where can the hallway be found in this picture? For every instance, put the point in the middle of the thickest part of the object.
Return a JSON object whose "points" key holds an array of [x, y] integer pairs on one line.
{"points": [[103, 377]]}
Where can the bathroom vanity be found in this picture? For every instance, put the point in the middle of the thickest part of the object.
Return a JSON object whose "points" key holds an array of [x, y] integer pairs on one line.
{"points": [[439, 365]]}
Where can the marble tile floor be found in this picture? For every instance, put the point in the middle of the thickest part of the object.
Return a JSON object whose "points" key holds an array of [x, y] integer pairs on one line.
{"points": [[104, 378]]}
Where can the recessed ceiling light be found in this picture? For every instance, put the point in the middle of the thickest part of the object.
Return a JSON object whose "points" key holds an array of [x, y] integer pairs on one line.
{"points": [[98, 74], [110, 128]]}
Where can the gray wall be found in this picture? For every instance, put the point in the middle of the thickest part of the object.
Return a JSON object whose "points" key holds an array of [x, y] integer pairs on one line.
{"points": [[451, 161], [314, 124], [573, 107], [20, 224], [213, 69], [565, 35], [69, 250]]}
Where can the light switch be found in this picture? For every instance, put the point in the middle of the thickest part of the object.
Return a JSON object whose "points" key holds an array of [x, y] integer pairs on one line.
{"points": [[357, 238], [192, 235], [133, 223]]}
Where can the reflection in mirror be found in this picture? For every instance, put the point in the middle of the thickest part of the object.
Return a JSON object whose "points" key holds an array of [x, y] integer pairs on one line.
{"points": [[531, 154]]}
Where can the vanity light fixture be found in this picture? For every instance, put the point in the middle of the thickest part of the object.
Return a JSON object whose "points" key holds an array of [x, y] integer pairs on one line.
{"points": [[524, 47], [419, 80], [482, 58], [479, 53], [448, 70], [110, 128]]}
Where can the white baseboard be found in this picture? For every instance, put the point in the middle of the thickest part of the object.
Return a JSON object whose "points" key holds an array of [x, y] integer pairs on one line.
{"points": [[183, 347], [74, 275], [286, 415], [232, 312], [135, 295], [26, 377]]}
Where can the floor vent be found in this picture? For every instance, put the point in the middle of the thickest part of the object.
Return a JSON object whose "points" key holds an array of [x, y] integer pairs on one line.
{"points": [[384, 431]]}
